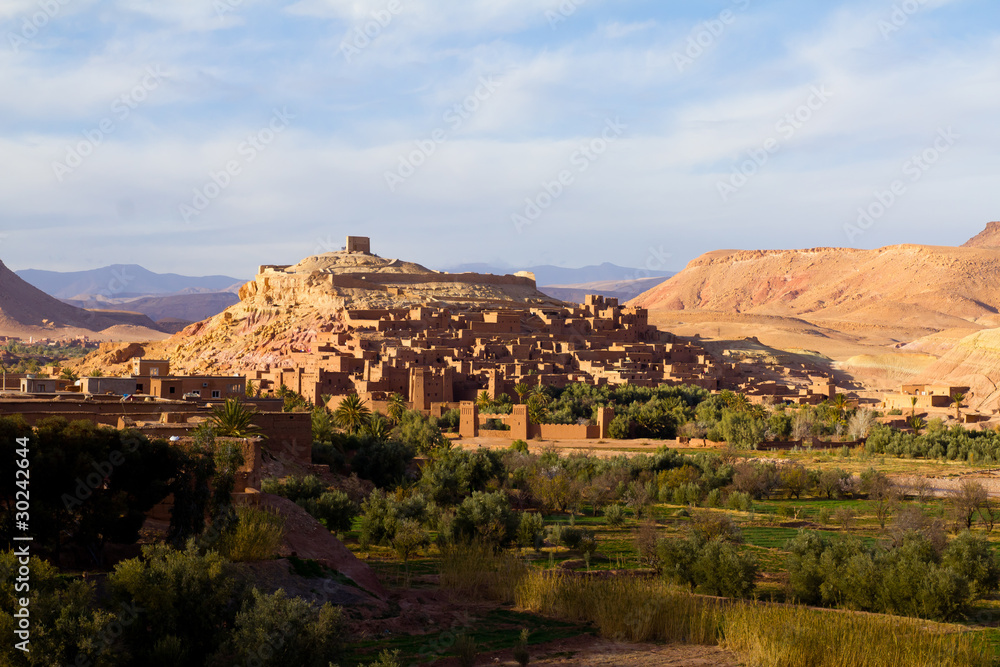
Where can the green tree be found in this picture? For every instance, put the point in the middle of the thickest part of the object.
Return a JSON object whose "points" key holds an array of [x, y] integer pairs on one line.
{"points": [[352, 414], [957, 399], [397, 407], [521, 390], [234, 419]]}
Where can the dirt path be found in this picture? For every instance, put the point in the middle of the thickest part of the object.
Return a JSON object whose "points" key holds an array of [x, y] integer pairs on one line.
{"points": [[594, 652]]}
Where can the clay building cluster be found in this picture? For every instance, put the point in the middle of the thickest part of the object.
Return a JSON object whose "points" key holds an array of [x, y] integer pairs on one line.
{"points": [[436, 358]]}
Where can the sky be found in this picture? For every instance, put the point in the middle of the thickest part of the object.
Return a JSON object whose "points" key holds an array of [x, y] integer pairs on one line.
{"points": [[211, 136]]}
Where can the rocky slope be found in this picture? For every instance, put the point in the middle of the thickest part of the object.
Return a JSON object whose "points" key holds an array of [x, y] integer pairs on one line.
{"points": [[921, 287], [988, 238], [283, 308]]}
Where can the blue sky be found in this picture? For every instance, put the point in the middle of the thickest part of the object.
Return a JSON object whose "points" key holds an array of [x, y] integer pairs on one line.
{"points": [[210, 136]]}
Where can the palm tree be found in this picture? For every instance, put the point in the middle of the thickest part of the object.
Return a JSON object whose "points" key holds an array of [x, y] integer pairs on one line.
{"points": [[913, 408], [503, 399], [253, 390], [234, 419], [957, 399], [521, 389], [397, 407], [69, 375], [352, 414], [840, 403], [377, 428], [917, 424], [484, 401]]}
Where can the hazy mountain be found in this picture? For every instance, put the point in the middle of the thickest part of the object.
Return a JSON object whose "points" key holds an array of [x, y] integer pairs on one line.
{"points": [[186, 307], [557, 275], [123, 280]]}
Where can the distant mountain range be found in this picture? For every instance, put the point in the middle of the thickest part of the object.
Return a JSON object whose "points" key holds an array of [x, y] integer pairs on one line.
{"points": [[573, 285], [123, 281], [563, 277]]}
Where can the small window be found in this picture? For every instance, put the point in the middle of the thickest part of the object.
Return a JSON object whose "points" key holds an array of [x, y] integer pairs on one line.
{"points": [[172, 390], [216, 393], [138, 387], [204, 384]]}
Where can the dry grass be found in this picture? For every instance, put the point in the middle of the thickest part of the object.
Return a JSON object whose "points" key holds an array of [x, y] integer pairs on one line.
{"points": [[636, 609]]}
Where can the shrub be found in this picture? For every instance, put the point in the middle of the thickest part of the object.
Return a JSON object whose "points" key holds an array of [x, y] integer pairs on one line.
{"points": [[520, 653], [184, 595], [382, 462], [276, 630], [379, 518], [488, 517], [739, 501], [295, 488], [530, 529], [715, 567], [324, 453], [614, 515], [334, 509], [256, 535], [419, 433], [723, 569], [570, 537], [466, 650], [620, 427], [519, 446], [714, 498]]}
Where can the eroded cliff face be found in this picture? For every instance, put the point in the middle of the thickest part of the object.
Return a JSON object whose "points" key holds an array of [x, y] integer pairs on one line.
{"points": [[283, 309]]}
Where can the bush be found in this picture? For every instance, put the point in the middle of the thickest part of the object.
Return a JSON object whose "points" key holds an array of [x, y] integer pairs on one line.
{"points": [[184, 595], [620, 427], [334, 509], [715, 567], [487, 517], [275, 630], [324, 453], [256, 535], [295, 488], [723, 569], [419, 433], [379, 519], [530, 530], [519, 446], [614, 515], [739, 501], [714, 498], [382, 462], [909, 579]]}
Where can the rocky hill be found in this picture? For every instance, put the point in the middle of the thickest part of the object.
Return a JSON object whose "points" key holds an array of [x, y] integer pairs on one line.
{"points": [[988, 238], [26, 311], [895, 308], [284, 307], [922, 289]]}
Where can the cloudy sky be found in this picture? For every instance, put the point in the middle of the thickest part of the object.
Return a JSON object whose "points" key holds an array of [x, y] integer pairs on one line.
{"points": [[210, 136]]}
